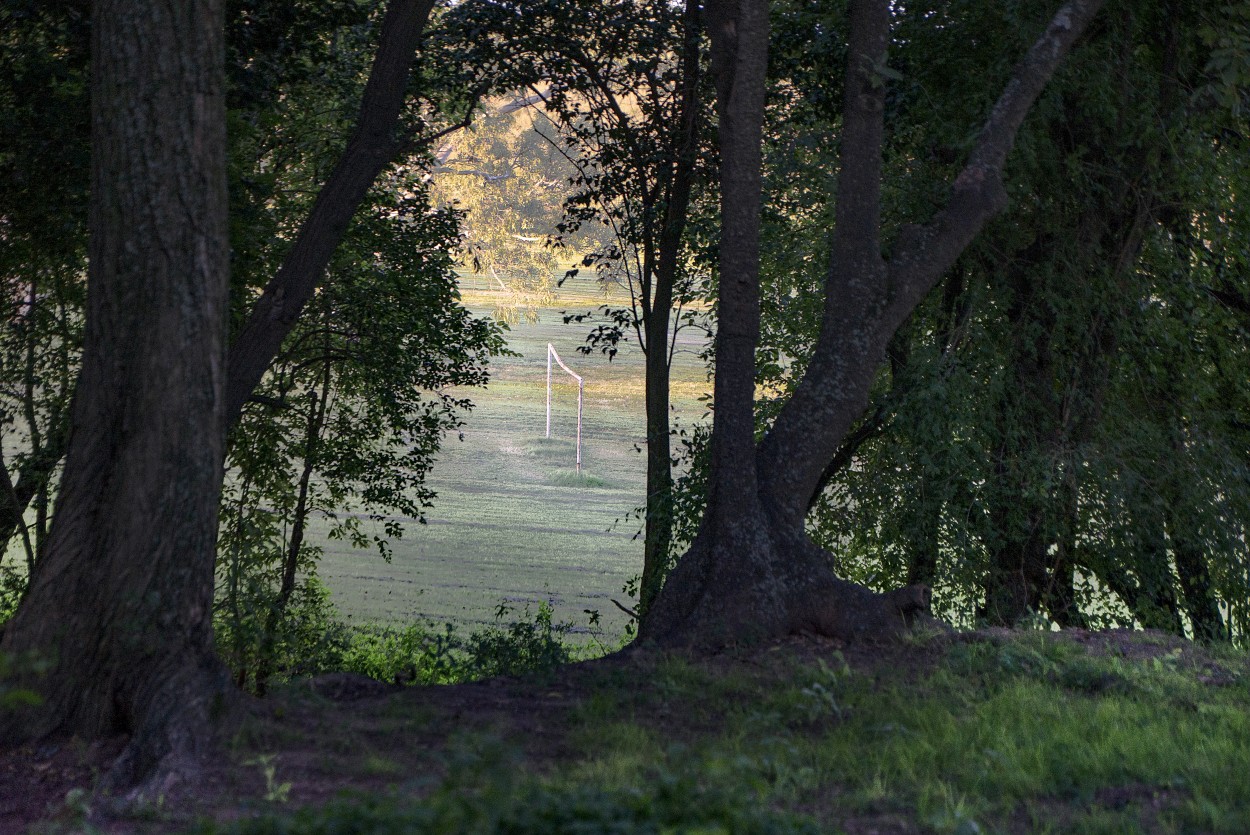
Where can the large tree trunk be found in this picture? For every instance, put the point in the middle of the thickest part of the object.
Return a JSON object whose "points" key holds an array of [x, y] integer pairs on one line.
{"points": [[751, 571], [375, 144], [121, 603]]}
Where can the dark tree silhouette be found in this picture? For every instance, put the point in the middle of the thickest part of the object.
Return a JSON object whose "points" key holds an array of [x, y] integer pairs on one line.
{"points": [[121, 602], [751, 571]]}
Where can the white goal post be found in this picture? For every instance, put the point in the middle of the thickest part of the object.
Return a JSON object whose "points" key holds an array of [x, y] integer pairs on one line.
{"points": [[551, 352]]}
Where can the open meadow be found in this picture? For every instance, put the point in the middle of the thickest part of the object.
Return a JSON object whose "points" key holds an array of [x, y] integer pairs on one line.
{"points": [[513, 521]]}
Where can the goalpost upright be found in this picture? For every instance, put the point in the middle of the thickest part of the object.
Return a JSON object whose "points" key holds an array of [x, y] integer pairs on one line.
{"points": [[551, 352]]}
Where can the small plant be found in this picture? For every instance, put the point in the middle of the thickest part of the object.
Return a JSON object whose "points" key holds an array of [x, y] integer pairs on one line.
{"points": [[275, 792], [572, 478], [817, 700]]}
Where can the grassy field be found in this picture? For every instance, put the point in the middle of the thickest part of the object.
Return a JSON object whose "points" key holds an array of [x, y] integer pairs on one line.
{"points": [[513, 520]]}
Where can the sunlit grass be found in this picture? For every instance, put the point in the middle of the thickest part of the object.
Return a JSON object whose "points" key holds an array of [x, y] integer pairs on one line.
{"points": [[513, 519]]}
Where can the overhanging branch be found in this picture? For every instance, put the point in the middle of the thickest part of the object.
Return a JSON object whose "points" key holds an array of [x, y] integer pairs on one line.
{"points": [[372, 147], [924, 253]]}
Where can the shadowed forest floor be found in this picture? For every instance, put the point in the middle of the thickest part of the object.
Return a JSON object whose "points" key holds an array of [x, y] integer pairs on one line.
{"points": [[992, 731]]}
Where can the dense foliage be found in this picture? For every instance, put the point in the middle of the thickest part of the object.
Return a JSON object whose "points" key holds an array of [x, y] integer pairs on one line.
{"points": [[349, 418], [1057, 432]]}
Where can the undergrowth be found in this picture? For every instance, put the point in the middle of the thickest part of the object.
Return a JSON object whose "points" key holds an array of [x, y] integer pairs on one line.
{"points": [[673, 803], [312, 640], [1027, 734], [424, 653]]}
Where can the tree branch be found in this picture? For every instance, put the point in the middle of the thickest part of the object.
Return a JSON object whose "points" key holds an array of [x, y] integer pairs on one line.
{"points": [[924, 253], [372, 147], [867, 300]]}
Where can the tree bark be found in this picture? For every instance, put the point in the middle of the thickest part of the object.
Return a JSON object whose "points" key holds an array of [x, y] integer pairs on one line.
{"points": [[751, 571], [733, 524], [121, 602]]}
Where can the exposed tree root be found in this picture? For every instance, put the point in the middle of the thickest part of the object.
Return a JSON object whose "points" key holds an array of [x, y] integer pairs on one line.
{"points": [[180, 721], [773, 586]]}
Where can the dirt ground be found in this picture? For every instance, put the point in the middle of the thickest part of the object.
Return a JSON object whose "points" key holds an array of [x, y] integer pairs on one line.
{"points": [[315, 739]]}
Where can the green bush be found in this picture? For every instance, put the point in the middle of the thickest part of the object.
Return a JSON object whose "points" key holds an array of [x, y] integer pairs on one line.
{"points": [[312, 641], [12, 587], [309, 638], [416, 654], [521, 647]]}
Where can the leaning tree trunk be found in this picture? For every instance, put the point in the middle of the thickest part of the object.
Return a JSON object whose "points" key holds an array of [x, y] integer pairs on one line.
{"points": [[377, 140], [752, 572], [121, 603]]}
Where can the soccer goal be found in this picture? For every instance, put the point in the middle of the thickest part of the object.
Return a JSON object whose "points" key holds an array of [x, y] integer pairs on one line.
{"points": [[551, 354]]}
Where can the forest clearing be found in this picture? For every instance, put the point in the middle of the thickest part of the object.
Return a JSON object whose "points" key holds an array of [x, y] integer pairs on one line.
{"points": [[512, 521]]}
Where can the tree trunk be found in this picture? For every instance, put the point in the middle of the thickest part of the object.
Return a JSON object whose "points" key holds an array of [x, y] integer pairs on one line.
{"points": [[1151, 595], [659, 525], [121, 602], [373, 146], [923, 546], [317, 403], [1059, 598], [1196, 587], [659, 521], [1028, 423], [751, 571]]}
